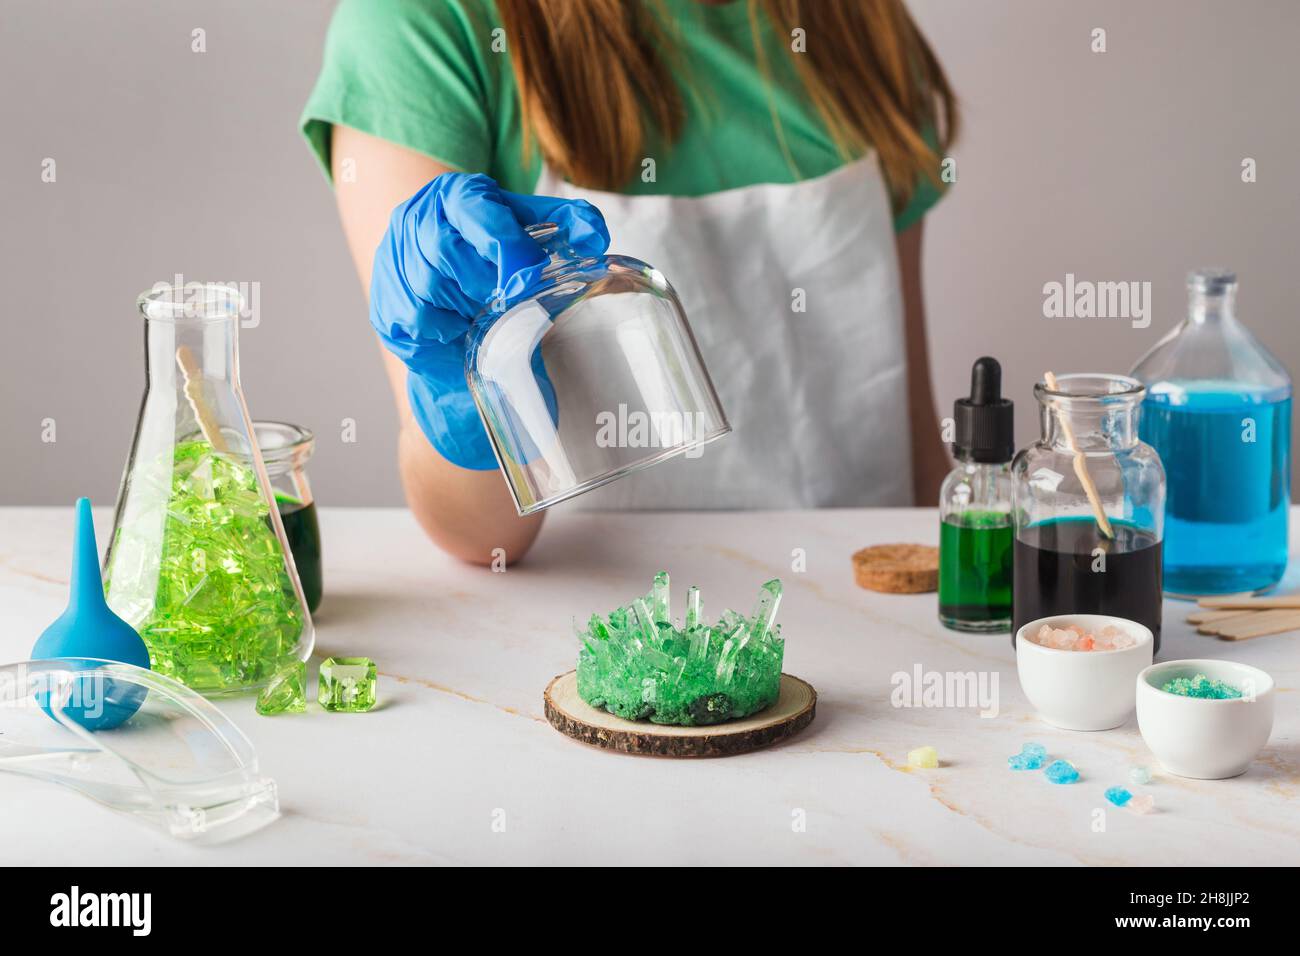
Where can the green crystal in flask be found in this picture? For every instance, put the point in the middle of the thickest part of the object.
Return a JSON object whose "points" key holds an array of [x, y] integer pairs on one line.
{"points": [[202, 575]]}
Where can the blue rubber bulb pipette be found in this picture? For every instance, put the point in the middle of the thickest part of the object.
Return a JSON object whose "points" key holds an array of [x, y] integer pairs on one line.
{"points": [[90, 629]]}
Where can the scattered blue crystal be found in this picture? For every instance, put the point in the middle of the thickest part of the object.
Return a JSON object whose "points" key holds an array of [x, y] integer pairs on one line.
{"points": [[1118, 796], [1061, 771], [1031, 757], [1023, 761]]}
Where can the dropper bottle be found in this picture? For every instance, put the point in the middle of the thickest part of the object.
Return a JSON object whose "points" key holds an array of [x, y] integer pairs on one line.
{"points": [[976, 533]]}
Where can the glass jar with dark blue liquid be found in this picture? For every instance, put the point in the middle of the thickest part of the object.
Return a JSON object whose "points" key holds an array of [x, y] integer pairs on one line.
{"points": [[1218, 410], [1067, 559]]}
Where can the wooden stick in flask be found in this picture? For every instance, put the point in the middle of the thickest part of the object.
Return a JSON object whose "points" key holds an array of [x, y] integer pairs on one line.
{"points": [[1081, 467], [194, 395]]}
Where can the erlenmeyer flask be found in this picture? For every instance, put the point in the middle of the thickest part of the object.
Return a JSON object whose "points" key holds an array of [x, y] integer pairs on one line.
{"points": [[198, 561]]}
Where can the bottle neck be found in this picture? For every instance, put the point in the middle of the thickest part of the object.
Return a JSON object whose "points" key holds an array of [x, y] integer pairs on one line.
{"points": [[209, 347], [1217, 305], [967, 462], [1096, 426]]}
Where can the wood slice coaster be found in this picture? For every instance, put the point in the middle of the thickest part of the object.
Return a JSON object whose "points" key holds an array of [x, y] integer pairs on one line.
{"points": [[568, 713]]}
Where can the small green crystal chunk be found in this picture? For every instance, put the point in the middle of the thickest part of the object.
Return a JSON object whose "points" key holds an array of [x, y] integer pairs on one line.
{"points": [[1201, 686], [347, 684], [286, 692], [198, 570], [638, 664]]}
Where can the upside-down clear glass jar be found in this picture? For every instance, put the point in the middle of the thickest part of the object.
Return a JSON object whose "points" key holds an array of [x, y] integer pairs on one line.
{"points": [[590, 374], [1065, 560]]}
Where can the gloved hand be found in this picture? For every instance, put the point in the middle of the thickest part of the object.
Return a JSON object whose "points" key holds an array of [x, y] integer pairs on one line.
{"points": [[450, 249]]}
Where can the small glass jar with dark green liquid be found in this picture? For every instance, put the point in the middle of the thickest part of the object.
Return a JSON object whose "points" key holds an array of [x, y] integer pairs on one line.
{"points": [[976, 533], [286, 449], [1081, 549]]}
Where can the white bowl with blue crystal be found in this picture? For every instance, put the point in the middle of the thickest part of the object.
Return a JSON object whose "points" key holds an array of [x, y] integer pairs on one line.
{"points": [[1077, 689], [1200, 737]]}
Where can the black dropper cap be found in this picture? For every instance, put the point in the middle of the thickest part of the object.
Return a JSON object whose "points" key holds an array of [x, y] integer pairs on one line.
{"points": [[985, 422]]}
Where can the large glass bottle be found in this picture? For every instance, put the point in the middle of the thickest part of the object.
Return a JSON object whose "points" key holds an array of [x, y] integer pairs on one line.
{"points": [[1218, 410], [198, 562], [1065, 561]]}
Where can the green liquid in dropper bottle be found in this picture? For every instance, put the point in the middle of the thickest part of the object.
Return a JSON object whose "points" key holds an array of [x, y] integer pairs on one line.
{"points": [[975, 570], [976, 533]]}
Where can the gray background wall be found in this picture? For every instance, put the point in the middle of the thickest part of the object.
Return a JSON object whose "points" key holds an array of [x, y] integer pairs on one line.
{"points": [[1116, 166]]}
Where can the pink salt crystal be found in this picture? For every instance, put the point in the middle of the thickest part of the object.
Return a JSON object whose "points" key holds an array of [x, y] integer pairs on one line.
{"points": [[1073, 637], [1142, 803], [1119, 638]]}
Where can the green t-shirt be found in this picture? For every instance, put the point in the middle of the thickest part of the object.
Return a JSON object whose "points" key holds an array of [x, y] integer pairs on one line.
{"points": [[423, 74]]}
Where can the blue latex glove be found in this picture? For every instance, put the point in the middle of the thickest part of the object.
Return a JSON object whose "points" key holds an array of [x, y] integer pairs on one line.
{"points": [[450, 249]]}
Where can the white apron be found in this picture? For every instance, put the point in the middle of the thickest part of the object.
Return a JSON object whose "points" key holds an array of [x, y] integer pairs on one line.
{"points": [[817, 399]]}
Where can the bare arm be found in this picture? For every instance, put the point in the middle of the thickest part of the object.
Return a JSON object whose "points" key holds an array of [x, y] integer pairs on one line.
{"points": [[467, 513], [930, 461]]}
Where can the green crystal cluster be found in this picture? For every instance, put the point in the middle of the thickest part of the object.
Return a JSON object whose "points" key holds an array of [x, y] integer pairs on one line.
{"points": [[202, 575], [636, 663], [1201, 686]]}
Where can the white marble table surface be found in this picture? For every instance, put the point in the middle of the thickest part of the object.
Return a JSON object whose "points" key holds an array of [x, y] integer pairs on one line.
{"points": [[460, 746]]}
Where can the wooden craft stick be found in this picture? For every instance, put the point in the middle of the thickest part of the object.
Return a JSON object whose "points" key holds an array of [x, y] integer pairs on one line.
{"points": [[1081, 467], [194, 395], [1204, 618], [1260, 627], [1244, 619], [1251, 603]]}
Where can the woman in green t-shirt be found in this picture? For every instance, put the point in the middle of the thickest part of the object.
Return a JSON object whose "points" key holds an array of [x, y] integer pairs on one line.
{"points": [[773, 158]]}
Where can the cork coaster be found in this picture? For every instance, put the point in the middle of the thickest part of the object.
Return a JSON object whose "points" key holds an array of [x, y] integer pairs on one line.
{"points": [[897, 568]]}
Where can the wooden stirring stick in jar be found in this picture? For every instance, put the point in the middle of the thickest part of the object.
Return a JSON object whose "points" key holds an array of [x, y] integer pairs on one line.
{"points": [[194, 395], [1081, 467]]}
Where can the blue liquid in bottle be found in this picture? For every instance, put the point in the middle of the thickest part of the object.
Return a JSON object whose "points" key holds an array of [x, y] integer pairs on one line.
{"points": [[1218, 410], [1226, 453]]}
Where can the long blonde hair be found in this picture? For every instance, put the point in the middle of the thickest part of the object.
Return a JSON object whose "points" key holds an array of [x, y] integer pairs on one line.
{"points": [[592, 73]]}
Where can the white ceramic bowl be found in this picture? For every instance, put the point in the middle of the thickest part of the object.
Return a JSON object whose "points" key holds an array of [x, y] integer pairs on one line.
{"points": [[1082, 690], [1206, 739]]}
